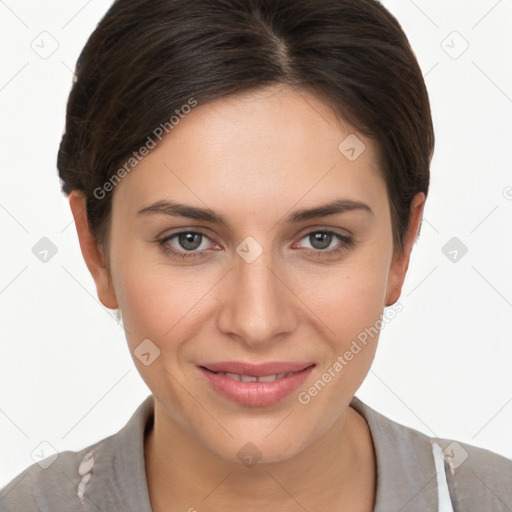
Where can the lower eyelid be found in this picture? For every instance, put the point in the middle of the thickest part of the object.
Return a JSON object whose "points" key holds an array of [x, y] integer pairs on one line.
{"points": [[167, 239], [344, 239], [346, 242]]}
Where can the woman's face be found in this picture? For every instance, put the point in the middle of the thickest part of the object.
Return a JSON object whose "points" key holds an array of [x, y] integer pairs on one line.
{"points": [[266, 285]]}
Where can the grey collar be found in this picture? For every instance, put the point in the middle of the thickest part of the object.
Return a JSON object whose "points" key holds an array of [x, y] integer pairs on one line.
{"points": [[406, 473]]}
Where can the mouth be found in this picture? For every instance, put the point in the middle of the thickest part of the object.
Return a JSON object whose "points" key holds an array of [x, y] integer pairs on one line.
{"points": [[253, 378], [257, 370], [255, 385]]}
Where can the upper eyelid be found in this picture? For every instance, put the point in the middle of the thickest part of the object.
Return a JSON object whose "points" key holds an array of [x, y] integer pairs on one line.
{"points": [[200, 232], [172, 235]]}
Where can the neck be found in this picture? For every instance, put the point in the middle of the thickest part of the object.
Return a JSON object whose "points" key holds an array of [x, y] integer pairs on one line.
{"points": [[338, 468]]}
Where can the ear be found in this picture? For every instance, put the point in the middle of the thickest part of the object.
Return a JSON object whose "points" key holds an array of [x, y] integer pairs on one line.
{"points": [[91, 252], [400, 262]]}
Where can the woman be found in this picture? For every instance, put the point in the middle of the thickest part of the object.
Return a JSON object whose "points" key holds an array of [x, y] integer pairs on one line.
{"points": [[248, 179]]}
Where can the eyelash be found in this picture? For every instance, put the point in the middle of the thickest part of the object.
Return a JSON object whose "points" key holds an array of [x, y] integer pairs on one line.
{"points": [[346, 243]]}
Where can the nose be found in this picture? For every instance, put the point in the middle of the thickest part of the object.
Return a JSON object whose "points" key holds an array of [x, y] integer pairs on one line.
{"points": [[256, 302]]}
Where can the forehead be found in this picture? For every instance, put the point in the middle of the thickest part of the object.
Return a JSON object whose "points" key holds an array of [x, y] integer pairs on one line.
{"points": [[273, 145]]}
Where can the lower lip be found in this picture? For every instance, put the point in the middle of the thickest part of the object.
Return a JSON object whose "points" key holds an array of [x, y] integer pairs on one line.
{"points": [[256, 394]]}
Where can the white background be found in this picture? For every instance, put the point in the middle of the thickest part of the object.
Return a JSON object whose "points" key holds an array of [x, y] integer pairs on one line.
{"points": [[443, 366]]}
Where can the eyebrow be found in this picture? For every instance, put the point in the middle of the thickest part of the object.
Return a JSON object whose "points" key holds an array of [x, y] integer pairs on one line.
{"points": [[175, 209]]}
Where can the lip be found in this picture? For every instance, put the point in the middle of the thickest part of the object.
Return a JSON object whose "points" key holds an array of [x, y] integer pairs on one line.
{"points": [[256, 394]]}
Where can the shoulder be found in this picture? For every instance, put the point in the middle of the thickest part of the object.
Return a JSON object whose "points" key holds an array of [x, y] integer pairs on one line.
{"points": [[414, 470], [106, 475], [56, 483], [478, 479]]}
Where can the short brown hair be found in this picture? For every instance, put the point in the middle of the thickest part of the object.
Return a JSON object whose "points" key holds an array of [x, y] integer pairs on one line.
{"points": [[147, 58]]}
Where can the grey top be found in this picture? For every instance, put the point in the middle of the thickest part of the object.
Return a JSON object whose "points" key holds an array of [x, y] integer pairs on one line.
{"points": [[414, 473]]}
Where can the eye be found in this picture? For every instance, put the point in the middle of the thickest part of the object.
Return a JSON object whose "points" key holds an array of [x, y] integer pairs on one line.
{"points": [[194, 244], [321, 240], [185, 244]]}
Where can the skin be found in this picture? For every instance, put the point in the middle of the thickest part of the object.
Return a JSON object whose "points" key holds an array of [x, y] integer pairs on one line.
{"points": [[254, 158]]}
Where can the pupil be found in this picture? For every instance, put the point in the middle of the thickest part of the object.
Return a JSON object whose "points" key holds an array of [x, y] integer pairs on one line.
{"points": [[190, 241], [319, 240]]}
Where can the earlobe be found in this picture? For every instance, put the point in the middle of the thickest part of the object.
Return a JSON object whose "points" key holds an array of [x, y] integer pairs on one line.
{"points": [[401, 259], [91, 251]]}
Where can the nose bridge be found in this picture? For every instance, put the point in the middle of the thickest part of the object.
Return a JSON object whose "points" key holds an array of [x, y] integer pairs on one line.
{"points": [[257, 308]]}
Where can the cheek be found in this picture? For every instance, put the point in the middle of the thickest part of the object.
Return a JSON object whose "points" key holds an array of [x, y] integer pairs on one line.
{"points": [[159, 302], [349, 302], [348, 298], [160, 305]]}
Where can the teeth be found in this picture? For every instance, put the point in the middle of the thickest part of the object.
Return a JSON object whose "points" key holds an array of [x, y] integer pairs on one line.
{"points": [[248, 378], [251, 378], [233, 376], [268, 378]]}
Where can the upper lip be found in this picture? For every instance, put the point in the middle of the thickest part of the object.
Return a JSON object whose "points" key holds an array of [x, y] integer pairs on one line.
{"points": [[256, 370]]}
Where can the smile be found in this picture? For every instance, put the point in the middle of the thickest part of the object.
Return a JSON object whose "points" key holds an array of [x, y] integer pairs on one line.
{"points": [[255, 390], [252, 378]]}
